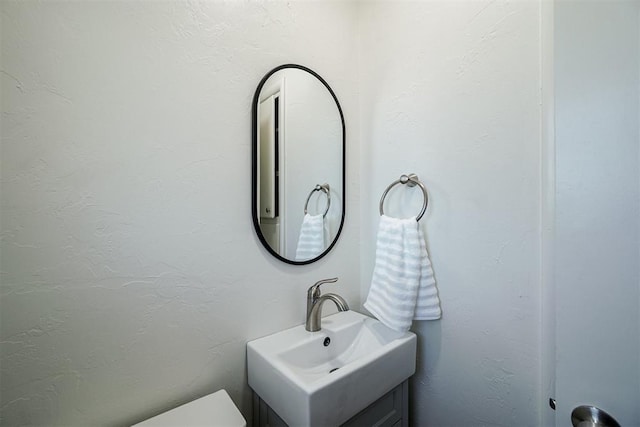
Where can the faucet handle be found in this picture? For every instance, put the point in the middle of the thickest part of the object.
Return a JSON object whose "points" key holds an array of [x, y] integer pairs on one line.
{"points": [[314, 291]]}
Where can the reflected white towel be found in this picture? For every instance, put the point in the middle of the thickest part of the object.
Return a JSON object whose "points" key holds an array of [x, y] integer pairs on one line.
{"points": [[403, 287], [311, 239]]}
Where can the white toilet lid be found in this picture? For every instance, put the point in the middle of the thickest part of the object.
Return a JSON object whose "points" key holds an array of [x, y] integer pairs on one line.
{"points": [[216, 409]]}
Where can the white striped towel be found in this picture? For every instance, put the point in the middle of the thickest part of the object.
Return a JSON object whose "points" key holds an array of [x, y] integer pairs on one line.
{"points": [[403, 287], [311, 238]]}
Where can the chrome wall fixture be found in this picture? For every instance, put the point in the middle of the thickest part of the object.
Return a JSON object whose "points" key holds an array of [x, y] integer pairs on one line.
{"points": [[326, 190], [410, 180], [590, 416]]}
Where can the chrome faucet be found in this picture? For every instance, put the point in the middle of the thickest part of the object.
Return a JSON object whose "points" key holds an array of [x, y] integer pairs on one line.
{"points": [[315, 301]]}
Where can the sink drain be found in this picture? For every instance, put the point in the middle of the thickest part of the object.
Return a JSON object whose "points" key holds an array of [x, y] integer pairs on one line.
{"points": [[333, 370]]}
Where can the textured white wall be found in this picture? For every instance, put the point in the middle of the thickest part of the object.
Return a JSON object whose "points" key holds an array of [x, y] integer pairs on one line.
{"points": [[451, 91], [131, 275]]}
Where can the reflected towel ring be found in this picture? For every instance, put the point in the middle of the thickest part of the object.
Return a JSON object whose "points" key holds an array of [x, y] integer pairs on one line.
{"points": [[411, 180], [325, 189]]}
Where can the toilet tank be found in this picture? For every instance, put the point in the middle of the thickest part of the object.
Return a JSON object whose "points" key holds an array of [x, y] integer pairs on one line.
{"points": [[216, 409]]}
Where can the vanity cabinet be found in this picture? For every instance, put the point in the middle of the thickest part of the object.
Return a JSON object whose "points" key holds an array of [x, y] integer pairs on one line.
{"points": [[391, 410]]}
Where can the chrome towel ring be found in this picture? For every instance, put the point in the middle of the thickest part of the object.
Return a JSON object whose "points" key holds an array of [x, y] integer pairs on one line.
{"points": [[411, 180], [326, 190]]}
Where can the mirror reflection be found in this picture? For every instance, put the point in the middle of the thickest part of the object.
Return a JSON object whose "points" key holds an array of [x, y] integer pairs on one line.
{"points": [[298, 164]]}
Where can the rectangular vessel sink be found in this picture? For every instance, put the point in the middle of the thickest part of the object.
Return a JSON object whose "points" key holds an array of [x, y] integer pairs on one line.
{"points": [[308, 383]]}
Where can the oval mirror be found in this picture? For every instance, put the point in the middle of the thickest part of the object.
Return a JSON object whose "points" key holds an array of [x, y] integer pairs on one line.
{"points": [[298, 168]]}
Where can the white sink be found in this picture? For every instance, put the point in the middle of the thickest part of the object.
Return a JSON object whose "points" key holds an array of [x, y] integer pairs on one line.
{"points": [[309, 384]]}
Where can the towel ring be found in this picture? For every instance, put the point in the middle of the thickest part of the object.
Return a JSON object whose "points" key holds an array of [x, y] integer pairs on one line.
{"points": [[411, 180], [325, 189]]}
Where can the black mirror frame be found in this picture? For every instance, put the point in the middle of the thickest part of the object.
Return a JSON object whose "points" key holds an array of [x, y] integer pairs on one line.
{"points": [[254, 164]]}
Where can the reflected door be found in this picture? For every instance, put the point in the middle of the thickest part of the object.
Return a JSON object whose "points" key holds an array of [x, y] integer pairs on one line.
{"points": [[268, 143]]}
